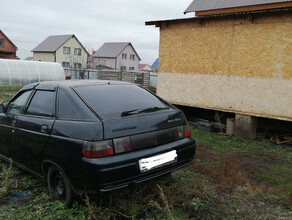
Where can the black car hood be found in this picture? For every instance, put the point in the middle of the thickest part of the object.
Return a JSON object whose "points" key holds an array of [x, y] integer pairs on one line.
{"points": [[142, 123]]}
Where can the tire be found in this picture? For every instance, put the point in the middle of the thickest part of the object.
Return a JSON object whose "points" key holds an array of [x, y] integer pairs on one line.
{"points": [[59, 186]]}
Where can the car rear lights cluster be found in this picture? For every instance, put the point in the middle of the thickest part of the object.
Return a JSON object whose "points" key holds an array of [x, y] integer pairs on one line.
{"points": [[106, 148], [187, 131], [98, 149], [182, 132], [121, 145]]}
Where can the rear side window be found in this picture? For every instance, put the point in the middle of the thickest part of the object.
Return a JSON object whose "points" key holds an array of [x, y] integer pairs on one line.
{"points": [[17, 105], [70, 108], [109, 101], [42, 104]]}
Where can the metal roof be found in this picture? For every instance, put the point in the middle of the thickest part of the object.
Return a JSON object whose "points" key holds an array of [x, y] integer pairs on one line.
{"points": [[205, 5], [155, 64], [52, 43], [113, 49]]}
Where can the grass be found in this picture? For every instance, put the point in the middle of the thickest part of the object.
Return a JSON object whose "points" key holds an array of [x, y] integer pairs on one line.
{"points": [[7, 92], [231, 178]]}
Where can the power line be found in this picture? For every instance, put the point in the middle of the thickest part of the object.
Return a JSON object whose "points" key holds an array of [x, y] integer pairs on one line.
{"points": [[25, 42]]}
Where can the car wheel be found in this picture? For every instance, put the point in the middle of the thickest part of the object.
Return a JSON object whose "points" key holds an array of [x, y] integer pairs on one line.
{"points": [[59, 186]]}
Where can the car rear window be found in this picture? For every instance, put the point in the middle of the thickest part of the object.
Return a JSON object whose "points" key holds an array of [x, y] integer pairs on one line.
{"points": [[109, 101]]}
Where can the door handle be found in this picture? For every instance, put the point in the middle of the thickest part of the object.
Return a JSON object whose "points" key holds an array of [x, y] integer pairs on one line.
{"points": [[44, 129], [14, 121]]}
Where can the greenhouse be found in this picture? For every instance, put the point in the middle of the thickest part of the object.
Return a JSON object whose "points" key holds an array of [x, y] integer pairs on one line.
{"points": [[18, 72]]}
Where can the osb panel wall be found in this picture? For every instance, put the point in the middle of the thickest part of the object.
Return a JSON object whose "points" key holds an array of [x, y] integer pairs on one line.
{"points": [[260, 47], [257, 96]]}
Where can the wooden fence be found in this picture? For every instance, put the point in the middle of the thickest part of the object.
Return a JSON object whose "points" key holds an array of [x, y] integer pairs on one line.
{"points": [[139, 77]]}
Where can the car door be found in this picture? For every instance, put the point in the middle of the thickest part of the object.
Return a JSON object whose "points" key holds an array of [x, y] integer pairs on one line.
{"points": [[9, 122], [35, 127]]}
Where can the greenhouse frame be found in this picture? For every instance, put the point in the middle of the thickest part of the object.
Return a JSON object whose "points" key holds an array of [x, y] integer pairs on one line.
{"points": [[18, 72]]}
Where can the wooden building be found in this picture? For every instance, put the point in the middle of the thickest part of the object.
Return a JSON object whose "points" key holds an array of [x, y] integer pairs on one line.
{"points": [[232, 57], [7, 48]]}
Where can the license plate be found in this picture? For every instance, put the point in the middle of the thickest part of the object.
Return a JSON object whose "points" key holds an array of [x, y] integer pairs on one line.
{"points": [[150, 163]]}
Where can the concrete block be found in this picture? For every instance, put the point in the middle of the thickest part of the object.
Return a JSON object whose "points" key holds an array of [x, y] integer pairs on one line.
{"points": [[230, 126], [245, 127]]}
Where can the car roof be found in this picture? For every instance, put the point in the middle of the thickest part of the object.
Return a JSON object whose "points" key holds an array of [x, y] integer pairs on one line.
{"points": [[52, 85]]}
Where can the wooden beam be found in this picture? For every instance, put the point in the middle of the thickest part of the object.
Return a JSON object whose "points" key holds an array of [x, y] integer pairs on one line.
{"points": [[244, 9]]}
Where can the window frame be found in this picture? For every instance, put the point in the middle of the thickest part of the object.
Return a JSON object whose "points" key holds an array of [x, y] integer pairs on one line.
{"points": [[77, 49], [92, 115], [66, 65], [132, 57], [2, 40], [69, 50], [41, 116], [89, 119], [16, 97], [124, 56], [79, 64]]}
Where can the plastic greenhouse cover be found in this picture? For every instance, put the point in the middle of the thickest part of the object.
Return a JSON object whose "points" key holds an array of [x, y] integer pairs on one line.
{"points": [[18, 72]]}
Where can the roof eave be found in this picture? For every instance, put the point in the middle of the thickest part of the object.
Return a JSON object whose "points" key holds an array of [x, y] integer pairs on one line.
{"points": [[158, 23], [81, 45], [132, 48], [65, 42], [41, 51], [104, 57], [8, 39]]}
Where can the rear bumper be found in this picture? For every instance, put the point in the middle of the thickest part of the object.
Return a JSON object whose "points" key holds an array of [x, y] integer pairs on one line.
{"points": [[110, 173]]}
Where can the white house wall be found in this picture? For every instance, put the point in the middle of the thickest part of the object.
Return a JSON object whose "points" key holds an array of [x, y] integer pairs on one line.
{"points": [[40, 56], [71, 58], [266, 97]]}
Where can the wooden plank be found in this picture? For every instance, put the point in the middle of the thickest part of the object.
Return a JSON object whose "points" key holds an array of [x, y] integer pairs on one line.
{"points": [[283, 138], [141, 78]]}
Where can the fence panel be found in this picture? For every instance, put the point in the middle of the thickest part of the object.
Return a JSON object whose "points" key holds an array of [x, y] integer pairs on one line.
{"points": [[141, 78]]}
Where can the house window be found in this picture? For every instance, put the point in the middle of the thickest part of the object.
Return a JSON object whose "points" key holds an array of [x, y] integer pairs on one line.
{"points": [[77, 51], [77, 65], [65, 64], [1, 42], [124, 56], [132, 68], [123, 67], [132, 57], [66, 50]]}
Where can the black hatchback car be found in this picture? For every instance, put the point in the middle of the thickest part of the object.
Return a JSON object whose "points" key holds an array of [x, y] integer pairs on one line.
{"points": [[93, 136]]}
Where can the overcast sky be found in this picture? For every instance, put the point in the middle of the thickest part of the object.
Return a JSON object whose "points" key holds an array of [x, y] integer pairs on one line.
{"points": [[28, 22]]}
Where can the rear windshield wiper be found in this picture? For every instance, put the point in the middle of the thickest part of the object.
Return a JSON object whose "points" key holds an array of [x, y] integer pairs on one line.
{"points": [[138, 111]]}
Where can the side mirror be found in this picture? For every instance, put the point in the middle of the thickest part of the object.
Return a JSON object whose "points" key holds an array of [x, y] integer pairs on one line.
{"points": [[2, 108]]}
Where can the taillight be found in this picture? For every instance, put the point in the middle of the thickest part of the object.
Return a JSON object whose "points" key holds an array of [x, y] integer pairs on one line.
{"points": [[187, 131], [179, 132], [122, 145], [98, 149], [182, 132]]}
